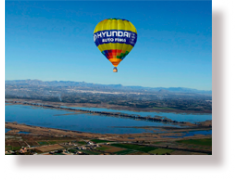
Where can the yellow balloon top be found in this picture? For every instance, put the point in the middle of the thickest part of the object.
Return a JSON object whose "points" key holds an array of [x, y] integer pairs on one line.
{"points": [[115, 38]]}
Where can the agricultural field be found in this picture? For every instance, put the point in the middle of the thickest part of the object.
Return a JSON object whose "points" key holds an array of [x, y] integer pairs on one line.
{"points": [[46, 144], [161, 151], [73, 150], [138, 153], [52, 142], [48, 148], [32, 143], [100, 141], [42, 143], [91, 152], [186, 153], [7, 148], [125, 152], [110, 149], [81, 142], [201, 142], [136, 147], [14, 145]]}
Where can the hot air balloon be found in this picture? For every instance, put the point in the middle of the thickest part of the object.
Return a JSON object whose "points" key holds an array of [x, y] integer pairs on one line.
{"points": [[115, 38]]}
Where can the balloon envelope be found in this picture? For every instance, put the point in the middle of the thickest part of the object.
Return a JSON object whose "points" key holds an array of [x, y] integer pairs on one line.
{"points": [[115, 38]]}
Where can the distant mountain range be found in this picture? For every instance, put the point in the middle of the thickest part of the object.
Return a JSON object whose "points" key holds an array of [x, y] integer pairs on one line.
{"points": [[103, 86]]}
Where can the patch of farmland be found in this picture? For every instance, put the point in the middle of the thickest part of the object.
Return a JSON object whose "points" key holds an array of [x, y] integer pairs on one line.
{"points": [[42, 143], [52, 142], [161, 151], [138, 153], [49, 148], [204, 142], [32, 143], [125, 152], [178, 152], [110, 149], [81, 142], [100, 141], [136, 147], [7, 148], [90, 152], [16, 148], [13, 144]]}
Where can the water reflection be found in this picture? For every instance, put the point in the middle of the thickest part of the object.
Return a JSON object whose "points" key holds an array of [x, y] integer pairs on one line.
{"points": [[80, 122], [173, 116]]}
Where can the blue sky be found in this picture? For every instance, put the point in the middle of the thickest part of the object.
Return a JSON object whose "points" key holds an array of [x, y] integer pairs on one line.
{"points": [[54, 41]]}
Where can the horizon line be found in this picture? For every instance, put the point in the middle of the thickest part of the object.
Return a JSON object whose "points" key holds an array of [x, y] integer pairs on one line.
{"points": [[106, 84]]}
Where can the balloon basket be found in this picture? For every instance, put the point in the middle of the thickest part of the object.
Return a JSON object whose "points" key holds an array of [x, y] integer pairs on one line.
{"points": [[115, 70]]}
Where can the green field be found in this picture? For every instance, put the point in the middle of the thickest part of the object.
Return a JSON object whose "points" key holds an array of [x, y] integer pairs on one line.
{"points": [[91, 152], [7, 148], [12, 148], [204, 142], [124, 152], [158, 142], [161, 151], [42, 143], [52, 142], [16, 147], [136, 147], [99, 141], [81, 142], [72, 150]]}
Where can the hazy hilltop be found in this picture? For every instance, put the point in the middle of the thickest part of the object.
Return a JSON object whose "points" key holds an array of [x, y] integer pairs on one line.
{"points": [[104, 86]]}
